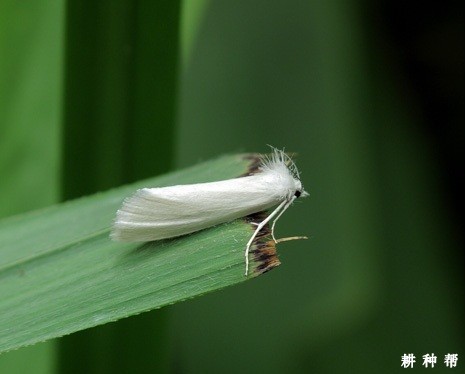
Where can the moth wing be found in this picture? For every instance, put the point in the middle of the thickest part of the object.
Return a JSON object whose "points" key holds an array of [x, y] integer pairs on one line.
{"points": [[159, 213]]}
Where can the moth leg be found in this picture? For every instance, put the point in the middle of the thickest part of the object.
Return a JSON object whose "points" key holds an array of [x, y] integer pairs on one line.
{"points": [[259, 227], [279, 215]]}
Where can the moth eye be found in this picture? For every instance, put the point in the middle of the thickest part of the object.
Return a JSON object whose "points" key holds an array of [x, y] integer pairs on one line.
{"points": [[297, 193]]}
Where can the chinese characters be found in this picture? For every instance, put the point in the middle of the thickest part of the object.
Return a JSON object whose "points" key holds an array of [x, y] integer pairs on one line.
{"points": [[429, 360]]}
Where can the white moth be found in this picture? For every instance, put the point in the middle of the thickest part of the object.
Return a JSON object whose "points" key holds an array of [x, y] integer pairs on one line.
{"points": [[167, 212]]}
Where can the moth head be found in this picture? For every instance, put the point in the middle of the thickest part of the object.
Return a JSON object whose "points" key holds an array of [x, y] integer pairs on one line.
{"points": [[299, 190]]}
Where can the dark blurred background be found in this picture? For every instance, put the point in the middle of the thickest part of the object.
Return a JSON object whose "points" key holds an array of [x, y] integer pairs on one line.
{"points": [[369, 95], [426, 43]]}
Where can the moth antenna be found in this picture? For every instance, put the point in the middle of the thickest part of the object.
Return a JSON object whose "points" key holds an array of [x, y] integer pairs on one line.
{"points": [[289, 238]]}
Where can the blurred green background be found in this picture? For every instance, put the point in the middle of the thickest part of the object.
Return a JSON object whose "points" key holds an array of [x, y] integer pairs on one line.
{"points": [[370, 96]]}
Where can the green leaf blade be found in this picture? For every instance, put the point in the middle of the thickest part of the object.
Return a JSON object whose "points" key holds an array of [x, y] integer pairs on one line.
{"points": [[75, 277]]}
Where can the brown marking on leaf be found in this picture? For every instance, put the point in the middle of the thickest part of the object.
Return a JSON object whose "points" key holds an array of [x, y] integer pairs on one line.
{"points": [[263, 254], [255, 161]]}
